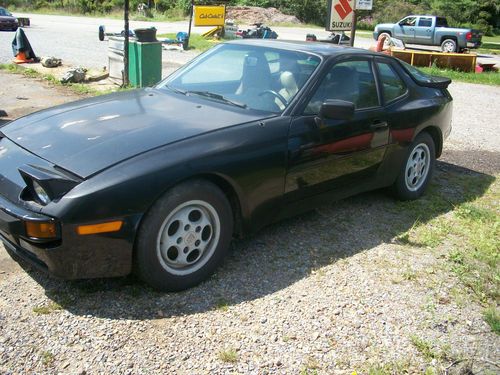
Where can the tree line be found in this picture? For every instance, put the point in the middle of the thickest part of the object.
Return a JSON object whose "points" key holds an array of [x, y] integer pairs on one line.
{"points": [[481, 14]]}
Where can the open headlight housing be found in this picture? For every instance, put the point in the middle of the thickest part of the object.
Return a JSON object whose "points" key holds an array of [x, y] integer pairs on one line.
{"points": [[46, 185]]}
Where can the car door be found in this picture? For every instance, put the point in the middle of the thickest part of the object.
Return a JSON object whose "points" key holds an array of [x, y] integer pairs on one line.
{"points": [[326, 154], [405, 29], [423, 30]]}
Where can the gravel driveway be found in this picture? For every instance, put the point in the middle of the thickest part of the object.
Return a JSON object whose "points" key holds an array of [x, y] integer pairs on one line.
{"points": [[329, 292]]}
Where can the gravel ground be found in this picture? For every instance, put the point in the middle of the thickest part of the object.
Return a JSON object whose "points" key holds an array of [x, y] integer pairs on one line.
{"points": [[328, 292]]}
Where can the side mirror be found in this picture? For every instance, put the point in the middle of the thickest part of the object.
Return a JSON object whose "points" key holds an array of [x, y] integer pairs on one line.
{"points": [[337, 110]]}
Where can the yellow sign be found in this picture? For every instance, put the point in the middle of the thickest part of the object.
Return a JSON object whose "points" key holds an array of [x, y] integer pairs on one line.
{"points": [[209, 15]]}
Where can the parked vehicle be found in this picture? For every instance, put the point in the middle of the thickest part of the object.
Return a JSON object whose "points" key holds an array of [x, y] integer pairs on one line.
{"points": [[260, 31], [159, 180], [431, 31], [7, 20]]}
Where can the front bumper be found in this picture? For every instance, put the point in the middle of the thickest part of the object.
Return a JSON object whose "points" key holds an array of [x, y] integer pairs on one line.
{"points": [[71, 256]]}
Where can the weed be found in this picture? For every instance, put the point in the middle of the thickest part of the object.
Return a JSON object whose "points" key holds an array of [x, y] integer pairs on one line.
{"points": [[222, 305], [485, 78], [47, 358], [228, 356], [47, 309], [430, 351], [492, 317]]}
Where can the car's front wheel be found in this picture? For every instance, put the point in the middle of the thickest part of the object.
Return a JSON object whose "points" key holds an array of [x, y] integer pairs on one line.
{"points": [[184, 236], [417, 169]]}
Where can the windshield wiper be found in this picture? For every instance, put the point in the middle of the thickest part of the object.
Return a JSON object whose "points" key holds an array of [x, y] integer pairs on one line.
{"points": [[179, 91], [219, 97]]}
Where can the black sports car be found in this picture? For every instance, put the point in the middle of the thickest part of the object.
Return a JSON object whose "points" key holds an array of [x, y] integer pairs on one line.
{"points": [[159, 180]]}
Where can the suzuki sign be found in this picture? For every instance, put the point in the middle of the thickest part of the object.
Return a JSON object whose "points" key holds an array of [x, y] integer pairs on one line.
{"points": [[340, 15]]}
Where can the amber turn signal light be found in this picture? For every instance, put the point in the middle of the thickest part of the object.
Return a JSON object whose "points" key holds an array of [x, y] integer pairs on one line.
{"points": [[111, 226], [40, 229]]}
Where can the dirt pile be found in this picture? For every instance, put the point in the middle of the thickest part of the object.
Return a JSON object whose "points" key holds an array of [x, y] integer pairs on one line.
{"points": [[251, 15]]}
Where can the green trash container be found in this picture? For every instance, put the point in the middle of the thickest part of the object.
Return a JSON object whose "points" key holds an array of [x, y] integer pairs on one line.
{"points": [[144, 63]]}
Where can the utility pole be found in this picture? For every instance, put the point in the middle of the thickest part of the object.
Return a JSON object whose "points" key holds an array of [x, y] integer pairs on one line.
{"points": [[125, 49], [353, 27], [190, 22]]}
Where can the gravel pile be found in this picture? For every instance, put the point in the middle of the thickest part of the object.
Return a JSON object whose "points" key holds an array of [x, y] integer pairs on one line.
{"points": [[331, 291], [251, 15]]}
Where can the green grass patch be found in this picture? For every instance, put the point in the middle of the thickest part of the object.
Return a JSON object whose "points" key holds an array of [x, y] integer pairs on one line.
{"points": [[486, 78], [429, 350], [491, 39], [78, 88], [228, 356], [47, 358], [47, 309], [196, 42], [492, 317], [460, 216]]}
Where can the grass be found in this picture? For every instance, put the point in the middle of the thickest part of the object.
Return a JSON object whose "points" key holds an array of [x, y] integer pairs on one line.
{"points": [[492, 317], [78, 88], [228, 356], [429, 350], [196, 42], [222, 305], [47, 358], [171, 16], [469, 233], [486, 78], [47, 309]]}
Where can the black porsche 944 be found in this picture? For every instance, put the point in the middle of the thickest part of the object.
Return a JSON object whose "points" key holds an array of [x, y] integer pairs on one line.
{"points": [[159, 180]]}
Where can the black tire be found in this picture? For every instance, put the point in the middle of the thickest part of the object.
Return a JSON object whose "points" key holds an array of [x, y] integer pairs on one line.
{"points": [[408, 187], [160, 263], [449, 46], [101, 33]]}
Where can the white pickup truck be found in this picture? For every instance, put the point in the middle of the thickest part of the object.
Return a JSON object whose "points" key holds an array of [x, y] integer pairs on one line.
{"points": [[431, 31]]}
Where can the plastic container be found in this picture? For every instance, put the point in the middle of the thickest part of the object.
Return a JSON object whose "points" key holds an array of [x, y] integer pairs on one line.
{"points": [[146, 35]]}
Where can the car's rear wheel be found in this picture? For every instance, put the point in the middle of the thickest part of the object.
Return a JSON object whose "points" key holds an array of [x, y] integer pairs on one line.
{"points": [[184, 236], [417, 169], [449, 46]]}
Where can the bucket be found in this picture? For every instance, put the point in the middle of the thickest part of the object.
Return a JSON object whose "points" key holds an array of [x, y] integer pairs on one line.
{"points": [[146, 35]]}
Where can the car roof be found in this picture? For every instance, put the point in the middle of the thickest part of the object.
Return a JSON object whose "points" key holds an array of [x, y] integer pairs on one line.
{"points": [[319, 48]]}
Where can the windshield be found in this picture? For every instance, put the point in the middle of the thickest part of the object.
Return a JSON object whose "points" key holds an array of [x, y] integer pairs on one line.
{"points": [[3, 12], [254, 77]]}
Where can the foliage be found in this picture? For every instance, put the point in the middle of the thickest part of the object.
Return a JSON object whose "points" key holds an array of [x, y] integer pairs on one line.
{"points": [[481, 14]]}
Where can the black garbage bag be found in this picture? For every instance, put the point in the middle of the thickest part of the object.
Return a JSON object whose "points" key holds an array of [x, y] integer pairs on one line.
{"points": [[22, 44]]}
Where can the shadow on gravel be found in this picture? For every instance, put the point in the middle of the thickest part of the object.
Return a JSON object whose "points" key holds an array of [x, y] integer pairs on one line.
{"points": [[278, 256]]}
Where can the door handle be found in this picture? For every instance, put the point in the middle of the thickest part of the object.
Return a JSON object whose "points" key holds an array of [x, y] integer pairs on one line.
{"points": [[377, 125]]}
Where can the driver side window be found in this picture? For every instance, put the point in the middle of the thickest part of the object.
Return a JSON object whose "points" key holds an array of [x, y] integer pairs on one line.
{"points": [[409, 21], [352, 81]]}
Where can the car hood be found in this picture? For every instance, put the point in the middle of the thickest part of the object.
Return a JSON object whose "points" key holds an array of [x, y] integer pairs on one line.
{"points": [[384, 26], [90, 135], [7, 18]]}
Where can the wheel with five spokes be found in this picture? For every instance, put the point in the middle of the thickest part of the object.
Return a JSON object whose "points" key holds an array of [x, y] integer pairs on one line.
{"points": [[184, 236], [417, 169]]}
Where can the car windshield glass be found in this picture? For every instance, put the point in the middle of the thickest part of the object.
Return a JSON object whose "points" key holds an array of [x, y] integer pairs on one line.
{"points": [[247, 76], [4, 12]]}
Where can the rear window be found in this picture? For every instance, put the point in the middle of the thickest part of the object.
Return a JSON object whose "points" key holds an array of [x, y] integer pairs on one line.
{"points": [[441, 22], [417, 74]]}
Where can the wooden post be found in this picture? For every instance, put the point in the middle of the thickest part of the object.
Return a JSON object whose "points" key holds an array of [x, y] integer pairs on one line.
{"points": [[125, 49], [190, 22], [353, 27]]}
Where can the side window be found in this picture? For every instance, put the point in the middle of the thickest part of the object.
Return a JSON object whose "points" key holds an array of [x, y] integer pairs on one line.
{"points": [[392, 85], [425, 22], [352, 81], [409, 21]]}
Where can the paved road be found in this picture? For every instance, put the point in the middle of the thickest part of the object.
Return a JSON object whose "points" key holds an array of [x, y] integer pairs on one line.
{"points": [[75, 40]]}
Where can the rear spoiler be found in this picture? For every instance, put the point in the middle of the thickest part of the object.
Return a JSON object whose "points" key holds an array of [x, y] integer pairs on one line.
{"points": [[436, 82]]}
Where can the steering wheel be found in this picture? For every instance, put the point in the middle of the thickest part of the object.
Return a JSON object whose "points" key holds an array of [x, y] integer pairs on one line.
{"points": [[276, 95]]}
